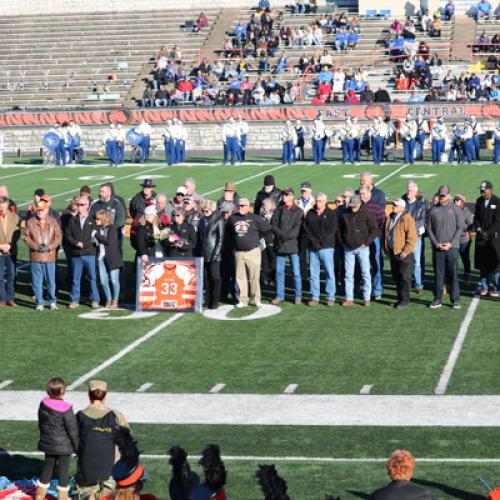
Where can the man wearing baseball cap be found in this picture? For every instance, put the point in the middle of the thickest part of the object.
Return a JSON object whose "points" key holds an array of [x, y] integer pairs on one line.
{"points": [[487, 224], [399, 242], [444, 229]]}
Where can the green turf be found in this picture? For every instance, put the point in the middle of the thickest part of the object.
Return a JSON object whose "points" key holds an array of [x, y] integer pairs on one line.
{"points": [[307, 479]]}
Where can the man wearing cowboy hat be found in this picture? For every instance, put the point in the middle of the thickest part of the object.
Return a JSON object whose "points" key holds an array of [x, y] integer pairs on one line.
{"points": [[143, 198]]}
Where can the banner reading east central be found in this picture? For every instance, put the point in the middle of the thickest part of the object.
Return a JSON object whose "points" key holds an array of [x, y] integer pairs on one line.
{"points": [[170, 285]]}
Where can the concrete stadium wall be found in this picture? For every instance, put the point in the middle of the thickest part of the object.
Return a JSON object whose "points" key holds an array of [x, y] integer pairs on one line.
{"points": [[30, 7]]}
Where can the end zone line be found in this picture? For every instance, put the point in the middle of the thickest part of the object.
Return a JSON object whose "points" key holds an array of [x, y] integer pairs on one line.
{"points": [[457, 347], [262, 458], [124, 351]]}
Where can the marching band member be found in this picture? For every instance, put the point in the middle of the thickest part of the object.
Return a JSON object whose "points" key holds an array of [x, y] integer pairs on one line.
{"points": [[120, 136], [288, 138], [496, 143], [344, 134], [168, 142], [145, 129], [60, 150], [422, 130], [74, 136], [231, 140], [408, 134], [477, 131], [378, 132], [438, 139], [318, 134], [175, 131], [357, 136], [244, 128], [468, 142], [110, 144], [182, 140], [456, 144], [301, 134]]}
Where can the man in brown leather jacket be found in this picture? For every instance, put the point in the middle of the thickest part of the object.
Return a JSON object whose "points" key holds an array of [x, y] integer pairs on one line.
{"points": [[43, 237]]}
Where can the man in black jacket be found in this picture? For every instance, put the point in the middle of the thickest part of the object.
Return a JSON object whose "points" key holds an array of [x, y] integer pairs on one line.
{"points": [[142, 199], [382, 95], [400, 468], [268, 191], [357, 228], [286, 224], [211, 238], [247, 229], [320, 226], [79, 234], [487, 224]]}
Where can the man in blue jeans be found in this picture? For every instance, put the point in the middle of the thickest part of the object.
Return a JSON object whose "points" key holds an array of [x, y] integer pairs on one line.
{"points": [[9, 234], [286, 224], [357, 230], [42, 234], [320, 227], [79, 234]]}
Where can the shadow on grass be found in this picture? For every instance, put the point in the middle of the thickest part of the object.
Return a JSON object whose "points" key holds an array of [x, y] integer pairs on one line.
{"points": [[449, 490], [17, 467]]}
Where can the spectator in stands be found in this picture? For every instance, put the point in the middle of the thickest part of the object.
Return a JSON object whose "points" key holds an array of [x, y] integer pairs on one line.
{"points": [[409, 30], [396, 27], [483, 43], [484, 10], [351, 97], [185, 87], [367, 96], [299, 7], [426, 21], [495, 43], [341, 42], [449, 10], [436, 25], [400, 468], [317, 35], [494, 93], [264, 5], [285, 35], [338, 80], [382, 95], [449, 79], [281, 65], [240, 32], [352, 39], [414, 97], [326, 59], [402, 82]]}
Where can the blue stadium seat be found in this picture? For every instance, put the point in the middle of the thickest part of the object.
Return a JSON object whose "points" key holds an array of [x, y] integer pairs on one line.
{"points": [[370, 13], [385, 12]]}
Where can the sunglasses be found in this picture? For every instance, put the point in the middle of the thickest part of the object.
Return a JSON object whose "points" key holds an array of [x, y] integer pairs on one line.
{"points": [[178, 215], [180, 194], [243, 205], [82, 205]]}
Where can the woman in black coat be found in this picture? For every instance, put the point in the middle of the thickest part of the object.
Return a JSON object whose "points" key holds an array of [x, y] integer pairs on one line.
{"points": [[108, 257], [148, 233], [182, 239]]}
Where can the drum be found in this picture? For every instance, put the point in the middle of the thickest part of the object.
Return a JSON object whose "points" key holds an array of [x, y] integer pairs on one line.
{"points": [[134, 137], [51, 141]]}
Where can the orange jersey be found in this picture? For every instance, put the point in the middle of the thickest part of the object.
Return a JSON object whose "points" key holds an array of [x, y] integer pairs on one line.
{"points": [[169, 290]]}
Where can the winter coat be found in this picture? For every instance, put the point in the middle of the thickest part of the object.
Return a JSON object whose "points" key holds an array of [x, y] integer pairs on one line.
{"points": [[108, 237], [275, 195], [320, 230], [75, 234], [211, 238], [487, 224], [138, 203], [58, 427], [145, 240], [402, 490], [35, 234], [286, 225], [356, 229], [187, 235], [404, 235]]}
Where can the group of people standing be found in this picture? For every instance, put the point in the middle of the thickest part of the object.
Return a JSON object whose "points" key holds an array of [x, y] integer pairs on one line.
{"points": [[242, 249]]}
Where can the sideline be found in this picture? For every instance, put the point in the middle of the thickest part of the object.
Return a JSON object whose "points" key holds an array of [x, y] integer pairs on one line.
{"points": [[276, 409], [124, 352], [457, 347], [267, 458]]}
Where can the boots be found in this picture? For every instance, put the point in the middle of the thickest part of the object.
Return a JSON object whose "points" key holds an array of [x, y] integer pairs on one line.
{"points": [[62, 492], [41, 490]]}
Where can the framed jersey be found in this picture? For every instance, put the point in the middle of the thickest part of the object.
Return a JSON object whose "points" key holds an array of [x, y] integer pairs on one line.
{"points": [[170, 284]]}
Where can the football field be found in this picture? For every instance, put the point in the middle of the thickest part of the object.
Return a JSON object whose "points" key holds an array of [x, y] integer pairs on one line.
{"points": [[325, 393]]}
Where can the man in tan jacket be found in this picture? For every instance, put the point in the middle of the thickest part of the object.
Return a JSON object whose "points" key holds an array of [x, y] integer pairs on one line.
{"points": [[399, 244], [43, 237], [9, 234]]}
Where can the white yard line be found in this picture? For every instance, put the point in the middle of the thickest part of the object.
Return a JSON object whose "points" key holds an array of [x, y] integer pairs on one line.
{"points": [[378, 182], [269, 458], [290, 389], [217, 388], [117, 179], [457, 347], [124, 352], [260, 174], [366, 389], [145, 387], [5, 383], [23, 173], [279, 409]]}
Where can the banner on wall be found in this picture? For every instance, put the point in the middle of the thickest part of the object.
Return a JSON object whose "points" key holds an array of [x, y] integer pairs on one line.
{"points": [[334, 112], [170, 285]]}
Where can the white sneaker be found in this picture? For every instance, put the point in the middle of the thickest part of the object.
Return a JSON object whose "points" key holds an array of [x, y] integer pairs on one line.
{"points": [[39, 308], [241, 305], [53, 307], [258, 304]]}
